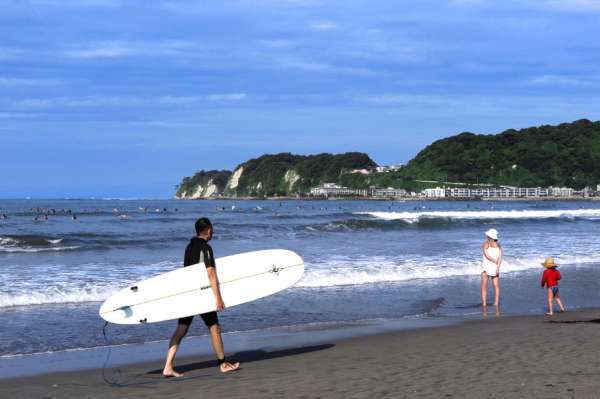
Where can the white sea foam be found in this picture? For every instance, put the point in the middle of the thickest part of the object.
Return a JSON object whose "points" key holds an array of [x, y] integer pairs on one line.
{"points": [[34, 250], [10, 245], [56, 294], [332, 272], [88, 284], [412, 217], [381, 269]]}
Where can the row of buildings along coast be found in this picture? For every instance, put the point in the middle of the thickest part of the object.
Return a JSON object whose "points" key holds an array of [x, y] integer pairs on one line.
{"points": [[333, 190]]}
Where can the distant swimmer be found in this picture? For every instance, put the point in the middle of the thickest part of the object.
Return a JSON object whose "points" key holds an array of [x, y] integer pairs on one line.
{"points": [[492, 259], [199, 251], [74, 217]]}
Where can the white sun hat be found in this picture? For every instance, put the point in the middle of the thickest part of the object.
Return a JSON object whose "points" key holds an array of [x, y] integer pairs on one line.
{"points": [[492, 233]]}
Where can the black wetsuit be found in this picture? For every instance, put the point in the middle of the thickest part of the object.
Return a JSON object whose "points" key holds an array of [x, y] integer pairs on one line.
{"points": [[196, 252]]}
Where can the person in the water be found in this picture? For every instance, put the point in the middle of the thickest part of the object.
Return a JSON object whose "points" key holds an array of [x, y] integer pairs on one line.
{"points": [[492, 259], [198, 251]]}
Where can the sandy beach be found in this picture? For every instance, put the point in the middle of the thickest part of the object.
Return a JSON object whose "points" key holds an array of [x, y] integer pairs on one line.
{"points": [[496, 357]]}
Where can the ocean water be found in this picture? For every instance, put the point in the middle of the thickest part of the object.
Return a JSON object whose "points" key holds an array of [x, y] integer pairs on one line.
{"points": [[365, 260]]}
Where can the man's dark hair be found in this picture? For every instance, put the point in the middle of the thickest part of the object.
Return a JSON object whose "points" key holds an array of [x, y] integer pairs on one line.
{"points": [[202, 224]]}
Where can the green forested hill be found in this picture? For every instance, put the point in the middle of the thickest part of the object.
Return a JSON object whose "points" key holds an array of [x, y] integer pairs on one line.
{"points": [[563, 155], [285, 173]]}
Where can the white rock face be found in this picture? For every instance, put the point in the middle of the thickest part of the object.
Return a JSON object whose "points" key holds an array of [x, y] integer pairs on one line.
{"points": [[291, 177], [234, 180], [202, 191], [210, 190]]}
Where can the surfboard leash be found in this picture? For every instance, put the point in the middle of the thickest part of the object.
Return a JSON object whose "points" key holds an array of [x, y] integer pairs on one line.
{"points": [[116, 372]]}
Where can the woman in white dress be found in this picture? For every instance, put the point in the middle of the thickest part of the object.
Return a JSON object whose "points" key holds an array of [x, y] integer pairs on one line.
{"points": [[492, 259]]}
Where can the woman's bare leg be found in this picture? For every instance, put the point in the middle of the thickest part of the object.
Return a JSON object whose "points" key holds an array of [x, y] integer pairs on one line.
{"points": [[484, 281], [496, 284], [550, 297]]}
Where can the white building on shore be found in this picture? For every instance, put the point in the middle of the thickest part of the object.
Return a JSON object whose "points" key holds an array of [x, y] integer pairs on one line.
{"points": [[333, 190], [389, 192], [504, 192], [434, 192]]}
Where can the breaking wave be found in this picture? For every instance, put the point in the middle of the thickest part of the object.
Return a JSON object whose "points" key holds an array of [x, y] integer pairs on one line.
{"points": [[414, 217], [330, 273], [383, 269], [32, 243]]}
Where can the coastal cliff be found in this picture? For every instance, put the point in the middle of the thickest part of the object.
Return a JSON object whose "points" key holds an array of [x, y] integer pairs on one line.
{"points": [[273, 175], [204, 184]]}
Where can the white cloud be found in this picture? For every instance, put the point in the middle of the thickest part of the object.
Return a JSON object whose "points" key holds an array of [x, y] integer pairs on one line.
{"points": [[324, 26], [114, 49], [277, 43], [468, 3], [125, 101], [161, 124], [65, 102], [8, 54], [574, 5], [317, 66], [76, 3], [18, 115], [9, 82], [179, 100], [226, 97], [554, 80], [106, 50]]}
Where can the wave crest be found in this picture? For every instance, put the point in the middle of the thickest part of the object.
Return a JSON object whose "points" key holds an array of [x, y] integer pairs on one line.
{"points": [[414, 217]]}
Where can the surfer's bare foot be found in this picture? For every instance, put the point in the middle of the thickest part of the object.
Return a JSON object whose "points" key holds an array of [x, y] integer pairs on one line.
{"points": [[171, 373], [226, 367], [549, 314]]}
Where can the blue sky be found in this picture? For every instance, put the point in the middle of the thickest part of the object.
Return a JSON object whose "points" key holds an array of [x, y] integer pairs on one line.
{"points": [[117, 98]]}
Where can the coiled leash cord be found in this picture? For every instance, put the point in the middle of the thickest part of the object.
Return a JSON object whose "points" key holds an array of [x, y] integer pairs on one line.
{"points": [[116, 373]]}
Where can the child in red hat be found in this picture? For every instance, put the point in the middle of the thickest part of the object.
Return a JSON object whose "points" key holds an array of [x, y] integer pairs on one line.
{"points": [[550, 279]]}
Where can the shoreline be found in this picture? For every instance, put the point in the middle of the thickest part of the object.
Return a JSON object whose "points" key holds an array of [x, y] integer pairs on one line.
{"points": [[398, 199], [494, 357], [68, 360]]}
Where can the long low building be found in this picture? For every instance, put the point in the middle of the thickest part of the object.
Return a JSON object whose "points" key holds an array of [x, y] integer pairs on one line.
{"points": [[504, 192], [334, 190]]}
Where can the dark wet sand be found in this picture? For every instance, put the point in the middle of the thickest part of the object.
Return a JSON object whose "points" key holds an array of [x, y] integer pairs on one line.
{"points": [[505, 357]]}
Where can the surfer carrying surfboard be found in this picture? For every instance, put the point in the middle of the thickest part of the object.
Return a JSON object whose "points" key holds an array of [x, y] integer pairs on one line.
{"points": [[199, 251]]}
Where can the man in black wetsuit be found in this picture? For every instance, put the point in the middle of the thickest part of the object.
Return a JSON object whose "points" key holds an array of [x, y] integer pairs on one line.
{"points": [[198, 251]]}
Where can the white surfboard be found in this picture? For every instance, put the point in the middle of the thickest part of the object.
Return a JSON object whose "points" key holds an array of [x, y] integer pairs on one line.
{"points": [[186, 291]]}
